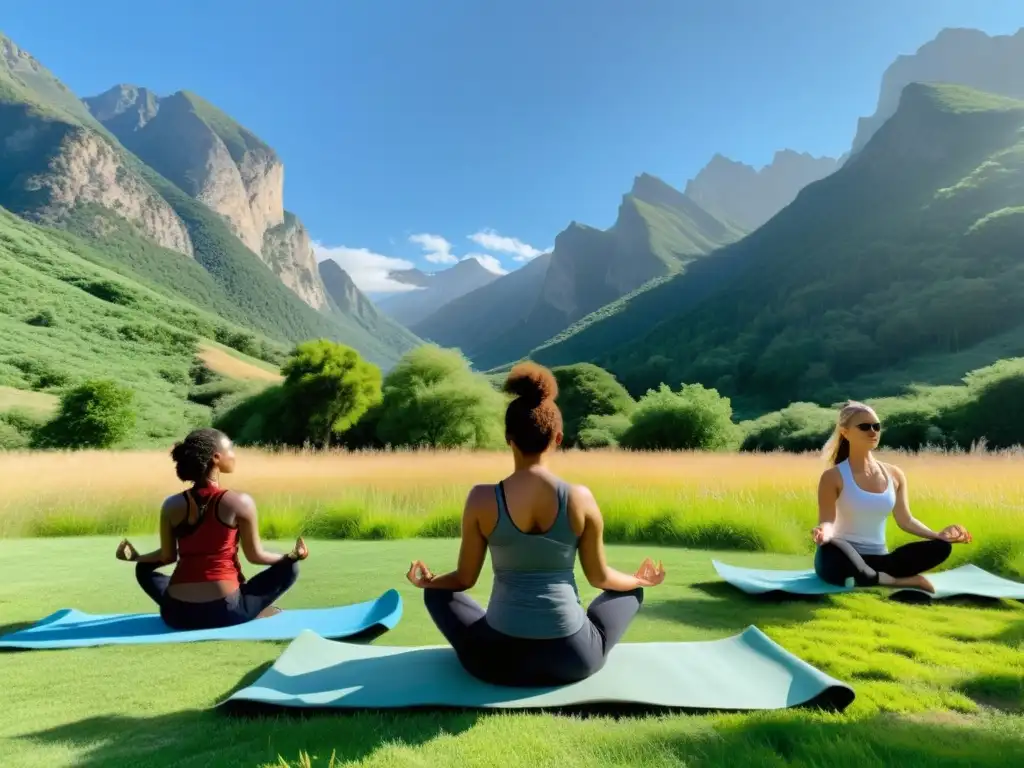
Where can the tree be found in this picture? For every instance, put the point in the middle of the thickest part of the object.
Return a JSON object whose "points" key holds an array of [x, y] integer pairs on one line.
{"points": [[96, 414], [433, 399], [695, 418], [327, 388], [585, 390]]}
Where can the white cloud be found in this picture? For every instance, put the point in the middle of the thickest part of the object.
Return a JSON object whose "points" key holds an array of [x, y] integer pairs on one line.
{"points": [[488, 262], [371, 272], [492, 241], [437, 249]]}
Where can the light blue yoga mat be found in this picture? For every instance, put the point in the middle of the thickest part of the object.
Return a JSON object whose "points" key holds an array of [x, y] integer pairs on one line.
{"points": [[748, 671], [69, 628], [967, 580]]}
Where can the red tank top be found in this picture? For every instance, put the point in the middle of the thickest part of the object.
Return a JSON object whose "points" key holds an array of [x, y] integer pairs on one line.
{"points": [[208, 549]]}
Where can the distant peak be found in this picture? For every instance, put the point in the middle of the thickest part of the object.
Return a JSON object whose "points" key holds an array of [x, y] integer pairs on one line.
{"points": [[954, 99]]}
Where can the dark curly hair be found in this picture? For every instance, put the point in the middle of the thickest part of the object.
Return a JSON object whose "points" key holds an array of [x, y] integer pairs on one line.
{"points": [[532, 419], [192, 456]]}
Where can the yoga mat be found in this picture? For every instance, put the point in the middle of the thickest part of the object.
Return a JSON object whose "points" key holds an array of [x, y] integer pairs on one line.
{"points": [[967, 580], [745, 672], [69, 628]]}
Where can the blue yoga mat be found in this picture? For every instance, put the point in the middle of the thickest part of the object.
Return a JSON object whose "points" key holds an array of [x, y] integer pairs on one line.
{"points": [[967, 580], [69, 628]]}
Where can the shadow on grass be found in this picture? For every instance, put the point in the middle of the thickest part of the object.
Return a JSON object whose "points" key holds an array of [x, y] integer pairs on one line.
{"points": [[732, 610], [1004, 692], [203, 737], [920, 741]]}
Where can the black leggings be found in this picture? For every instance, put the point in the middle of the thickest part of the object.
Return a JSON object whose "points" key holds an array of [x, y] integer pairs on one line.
{"points": [[836, 562], [500, 659], [241, 606]]}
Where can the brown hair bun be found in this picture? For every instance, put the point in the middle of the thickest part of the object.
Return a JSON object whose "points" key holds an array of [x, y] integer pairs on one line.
{"points": [[532, 382]]}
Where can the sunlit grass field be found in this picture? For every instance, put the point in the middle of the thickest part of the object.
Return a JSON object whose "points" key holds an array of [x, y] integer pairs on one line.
{"points": [[745, 502]]}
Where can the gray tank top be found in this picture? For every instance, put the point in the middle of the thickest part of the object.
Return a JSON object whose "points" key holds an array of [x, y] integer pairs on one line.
{"points": [[534, 594]]}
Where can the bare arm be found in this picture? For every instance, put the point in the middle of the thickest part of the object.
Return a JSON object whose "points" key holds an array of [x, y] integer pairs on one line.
{"points": [[828, 492], [472, 550], [901, 512], [249, 532], [168, 551], [599, 574]]}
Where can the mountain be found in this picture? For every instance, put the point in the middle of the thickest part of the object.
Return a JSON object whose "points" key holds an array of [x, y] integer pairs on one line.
{"points": [[60, 166], [433, 290], [910, 250], [970, 57], [658, 232], [215, 160], [737, 192]]}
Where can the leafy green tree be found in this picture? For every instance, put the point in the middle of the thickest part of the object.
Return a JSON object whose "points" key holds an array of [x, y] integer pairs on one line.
{"points": [[585, 390], [98, 413], [327, 388], [694, 418], [433, 399]]}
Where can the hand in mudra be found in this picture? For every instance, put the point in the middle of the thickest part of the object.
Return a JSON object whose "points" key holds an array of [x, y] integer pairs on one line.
{"points": [[419, 574], [650, 575], [125, 551], [300, 552], [955, 534]]}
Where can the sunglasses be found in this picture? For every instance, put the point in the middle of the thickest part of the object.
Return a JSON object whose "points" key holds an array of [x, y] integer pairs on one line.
{"points": [[869, 426]]}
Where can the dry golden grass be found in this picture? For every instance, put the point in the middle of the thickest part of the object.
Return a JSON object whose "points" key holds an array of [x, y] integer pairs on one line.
{"points": [[724, 501], [219, 361], [36, 402]]}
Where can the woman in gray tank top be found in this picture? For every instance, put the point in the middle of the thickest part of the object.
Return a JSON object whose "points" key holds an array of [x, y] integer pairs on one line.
{"points": [[535, 632]]}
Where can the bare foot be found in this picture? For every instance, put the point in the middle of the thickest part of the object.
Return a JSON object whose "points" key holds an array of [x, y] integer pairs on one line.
{"points": [[270, 610], [918, 581]]}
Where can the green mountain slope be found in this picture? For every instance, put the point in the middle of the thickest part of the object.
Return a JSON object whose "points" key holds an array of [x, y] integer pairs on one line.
{"points": [[910, 250], [60, 166], [65, 319], [658, 232]]}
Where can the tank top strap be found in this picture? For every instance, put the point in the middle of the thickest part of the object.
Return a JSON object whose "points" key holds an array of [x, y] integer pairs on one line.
{"points": [[562, 524], [499, 497]]}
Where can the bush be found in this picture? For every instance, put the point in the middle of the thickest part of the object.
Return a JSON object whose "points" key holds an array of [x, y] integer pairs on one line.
{"points": [[585, 390], [96, 414], [799, 427], [328, 387], [695, 418], [991, 411], [432, 399], [602, 431]]}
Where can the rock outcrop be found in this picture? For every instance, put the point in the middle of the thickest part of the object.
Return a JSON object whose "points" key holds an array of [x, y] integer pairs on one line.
{"points": [[737, 192], [223, 165]]}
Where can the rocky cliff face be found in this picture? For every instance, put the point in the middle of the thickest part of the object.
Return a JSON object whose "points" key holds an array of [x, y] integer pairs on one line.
{"points": [[737, 192], [994, 64], [55, 160], [221, 164], [288, 252]]}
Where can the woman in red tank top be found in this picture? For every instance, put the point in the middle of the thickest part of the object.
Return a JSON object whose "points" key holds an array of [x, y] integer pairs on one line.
{"points": [[201, 530]]}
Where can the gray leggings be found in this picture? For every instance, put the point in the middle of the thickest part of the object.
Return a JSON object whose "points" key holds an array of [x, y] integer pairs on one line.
{"points": [[500, 659]]}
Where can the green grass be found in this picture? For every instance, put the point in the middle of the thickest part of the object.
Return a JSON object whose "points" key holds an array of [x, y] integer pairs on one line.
{"points": [[64, 319], [937, 684]]}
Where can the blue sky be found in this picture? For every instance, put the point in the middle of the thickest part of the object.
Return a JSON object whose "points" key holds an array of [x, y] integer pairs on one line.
{"points": [[423, 131]]}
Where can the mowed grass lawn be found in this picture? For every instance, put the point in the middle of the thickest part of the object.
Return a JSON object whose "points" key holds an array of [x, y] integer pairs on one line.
{"points": [[935, 685]]}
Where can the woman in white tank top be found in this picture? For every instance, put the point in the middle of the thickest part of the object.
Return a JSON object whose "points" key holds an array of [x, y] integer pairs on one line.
{"points": [[856, 495]]}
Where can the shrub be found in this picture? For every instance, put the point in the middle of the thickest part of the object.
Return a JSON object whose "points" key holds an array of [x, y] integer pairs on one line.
{"points": [[96, 414], [433, 399], [585, 390], [695, 418]]}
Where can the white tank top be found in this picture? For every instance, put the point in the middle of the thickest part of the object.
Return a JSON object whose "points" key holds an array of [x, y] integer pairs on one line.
{"points": [[861, 515]]}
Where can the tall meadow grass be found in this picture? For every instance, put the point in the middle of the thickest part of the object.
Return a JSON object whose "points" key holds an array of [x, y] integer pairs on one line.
{"points": [[717, 501]]}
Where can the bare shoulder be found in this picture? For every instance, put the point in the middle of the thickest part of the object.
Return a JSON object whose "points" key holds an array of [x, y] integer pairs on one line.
{"points": [[238, 502], [581, 497], [895, 472], [831, 477], [480, 496]]}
